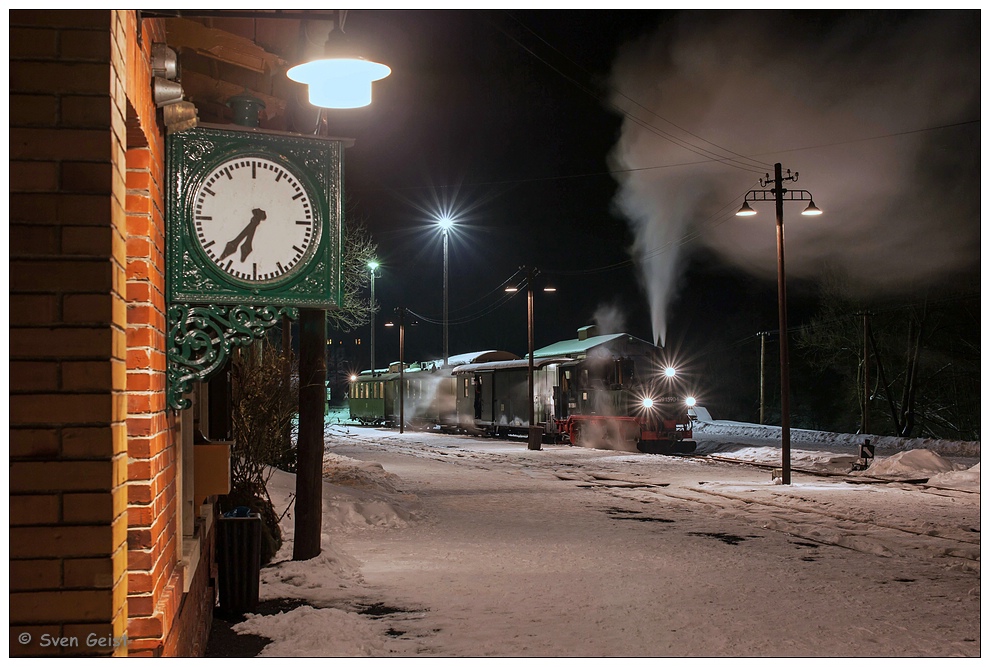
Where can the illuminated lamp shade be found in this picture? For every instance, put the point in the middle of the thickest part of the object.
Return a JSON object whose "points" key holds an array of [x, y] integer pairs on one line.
{"points": [[746, 210], [812, 209], [339, 83]]}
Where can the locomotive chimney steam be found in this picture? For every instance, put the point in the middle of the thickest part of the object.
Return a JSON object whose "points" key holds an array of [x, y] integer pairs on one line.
{"points": [[866, 110]]}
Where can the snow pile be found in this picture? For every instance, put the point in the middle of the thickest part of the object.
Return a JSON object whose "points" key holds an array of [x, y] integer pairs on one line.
{"points": [[964, 480], [306, 631], [361, 494], [356, 495], [316, 579], [908, 465]]}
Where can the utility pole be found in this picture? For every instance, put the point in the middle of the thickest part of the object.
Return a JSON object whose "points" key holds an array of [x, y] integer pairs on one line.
{"points": [[535, 432], [866, 373], [763, 361], [402, 368], [777, 194], [373, 265]]}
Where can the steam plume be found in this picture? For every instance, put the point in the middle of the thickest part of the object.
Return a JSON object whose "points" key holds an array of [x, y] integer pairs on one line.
{"points": [[812, 91], [609, 319]]}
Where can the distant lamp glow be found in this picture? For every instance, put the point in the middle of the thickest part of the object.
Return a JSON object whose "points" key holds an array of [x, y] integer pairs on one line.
{"points": [[647, 403], [511, 288], [549, 289], [746, 210], [690, 401], [445, 222], [812, 209], [373, 265], [669, 371]]}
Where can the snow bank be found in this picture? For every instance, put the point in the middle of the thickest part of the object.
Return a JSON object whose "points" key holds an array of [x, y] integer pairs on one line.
{"points": [[911, 464], [964, 480], [306, 631], [883, 443], [356, 495]]}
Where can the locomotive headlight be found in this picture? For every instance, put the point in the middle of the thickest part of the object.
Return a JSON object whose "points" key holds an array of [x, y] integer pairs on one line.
{"points": [[690, 402], [353, 378], [647, 403], [670, 371]]}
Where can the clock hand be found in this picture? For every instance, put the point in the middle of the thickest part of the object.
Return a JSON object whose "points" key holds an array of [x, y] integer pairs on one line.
{"points": [[246, 235]]}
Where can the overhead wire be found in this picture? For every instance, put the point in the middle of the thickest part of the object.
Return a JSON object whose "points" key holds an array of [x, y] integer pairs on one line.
{"points": [[719, 217], [682, 143]]}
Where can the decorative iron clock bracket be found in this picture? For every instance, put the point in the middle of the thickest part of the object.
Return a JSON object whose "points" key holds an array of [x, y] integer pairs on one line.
{"points": [[201, 338]]}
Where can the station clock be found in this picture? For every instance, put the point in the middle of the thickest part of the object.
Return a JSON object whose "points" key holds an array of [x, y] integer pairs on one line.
{"points": [[254, 217]]}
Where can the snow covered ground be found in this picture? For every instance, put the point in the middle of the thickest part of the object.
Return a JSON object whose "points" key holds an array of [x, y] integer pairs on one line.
{"points": [[439, 545]]}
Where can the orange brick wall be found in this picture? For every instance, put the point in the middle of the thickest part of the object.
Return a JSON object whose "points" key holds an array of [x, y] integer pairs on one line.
{"points": [[94, 460], [154, 582]]}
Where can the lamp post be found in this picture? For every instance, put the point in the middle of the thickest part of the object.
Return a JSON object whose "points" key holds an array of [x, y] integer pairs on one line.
{"points": [[779, 194], [401, 313], [445, 223], [333, 83], [373, 267], [535, 431]]}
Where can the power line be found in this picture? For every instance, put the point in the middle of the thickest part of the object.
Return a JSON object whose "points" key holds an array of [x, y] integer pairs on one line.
{"points": [[757, 163], [731, 162]]}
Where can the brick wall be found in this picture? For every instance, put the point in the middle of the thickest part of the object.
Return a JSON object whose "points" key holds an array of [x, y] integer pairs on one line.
{"points": [[94, 462], [68, 467]]}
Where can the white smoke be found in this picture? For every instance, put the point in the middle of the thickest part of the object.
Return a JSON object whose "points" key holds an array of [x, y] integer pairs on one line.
{"points": [[609, 319], [901, 212]]}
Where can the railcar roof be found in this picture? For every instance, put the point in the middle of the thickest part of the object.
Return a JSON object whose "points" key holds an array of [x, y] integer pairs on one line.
{"points": [[577, 346], [508, 365]]}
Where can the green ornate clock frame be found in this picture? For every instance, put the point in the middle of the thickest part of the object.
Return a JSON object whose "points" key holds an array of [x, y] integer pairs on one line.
{"points": [[211, 312]]}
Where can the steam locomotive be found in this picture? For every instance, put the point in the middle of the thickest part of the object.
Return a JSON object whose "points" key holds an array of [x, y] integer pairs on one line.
{"points": [[609, 391]]}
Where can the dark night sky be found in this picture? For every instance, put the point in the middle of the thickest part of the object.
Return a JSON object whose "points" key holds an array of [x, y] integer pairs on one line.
{"points": [[507, 117]]}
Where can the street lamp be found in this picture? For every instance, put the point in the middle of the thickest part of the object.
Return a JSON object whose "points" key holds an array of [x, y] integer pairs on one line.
{"points": [[401, 313], [445, 223], [373, 267], [334, 83], [778, 195], [342, 79], [535, 431]]}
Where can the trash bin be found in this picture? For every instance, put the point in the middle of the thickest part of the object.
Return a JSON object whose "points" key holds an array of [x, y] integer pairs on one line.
{"points": [[238, 561], [535, 437]]}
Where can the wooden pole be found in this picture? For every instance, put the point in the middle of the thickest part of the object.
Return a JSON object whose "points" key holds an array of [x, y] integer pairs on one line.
{"points": [[309, 461], [866, 373], [763, 361], [785, 369]]}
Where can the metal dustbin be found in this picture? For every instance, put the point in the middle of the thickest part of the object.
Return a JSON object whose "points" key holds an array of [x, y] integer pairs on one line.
{"points": [[535, 438], [238, 561]]}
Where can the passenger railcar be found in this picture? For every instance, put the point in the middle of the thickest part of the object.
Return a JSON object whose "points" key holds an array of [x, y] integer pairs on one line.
{"points": [[611, 391], [427, 391]]}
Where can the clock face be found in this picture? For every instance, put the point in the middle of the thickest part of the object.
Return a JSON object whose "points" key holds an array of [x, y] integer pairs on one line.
{"points": [[254, 220]]}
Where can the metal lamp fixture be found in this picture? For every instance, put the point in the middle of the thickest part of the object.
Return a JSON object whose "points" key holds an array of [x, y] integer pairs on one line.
{"points": [[341, 80], [779, 194]]}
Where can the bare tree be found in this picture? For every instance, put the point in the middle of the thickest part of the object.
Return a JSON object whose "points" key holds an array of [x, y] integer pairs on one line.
{"points": [[355, 309]]}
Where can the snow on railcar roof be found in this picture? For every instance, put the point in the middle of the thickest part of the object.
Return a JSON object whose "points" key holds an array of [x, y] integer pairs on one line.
{"points": [[581, 346]]}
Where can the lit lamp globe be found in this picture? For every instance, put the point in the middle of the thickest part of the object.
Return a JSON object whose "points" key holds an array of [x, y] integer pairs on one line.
{"points": [[339, 83]]}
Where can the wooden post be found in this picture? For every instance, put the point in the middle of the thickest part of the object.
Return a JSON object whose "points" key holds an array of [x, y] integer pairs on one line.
{"points": [[866, 373], [763, 361], [309, 461]]}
